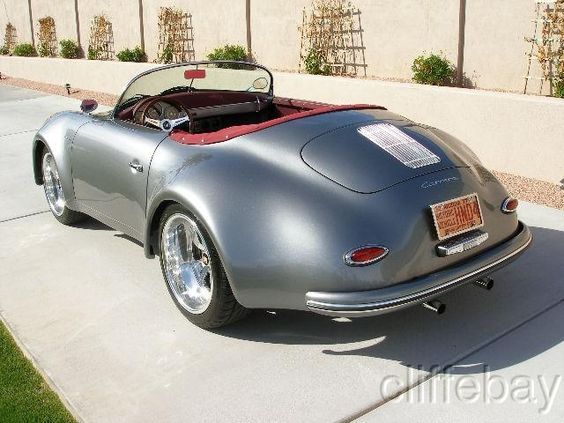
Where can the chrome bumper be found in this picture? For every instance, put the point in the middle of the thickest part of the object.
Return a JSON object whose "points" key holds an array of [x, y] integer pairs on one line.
{"points": [[385, 300]]}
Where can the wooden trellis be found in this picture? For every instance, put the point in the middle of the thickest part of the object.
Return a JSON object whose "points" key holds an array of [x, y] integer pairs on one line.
{"points": [[546, 45], [101, 42], [176, 36], [47, 37], [10, 37], [334, 29]]}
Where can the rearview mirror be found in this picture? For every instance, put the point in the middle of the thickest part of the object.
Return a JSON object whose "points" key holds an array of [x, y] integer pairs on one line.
{"points": [[88, 105], [260, 83]]}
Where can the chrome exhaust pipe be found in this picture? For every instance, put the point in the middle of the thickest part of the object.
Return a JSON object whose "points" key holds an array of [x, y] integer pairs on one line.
{"points": [[435, 306], [486, 283]]}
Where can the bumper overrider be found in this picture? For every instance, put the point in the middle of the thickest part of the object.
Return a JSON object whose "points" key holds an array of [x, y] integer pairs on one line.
{"points": [[384, 300]]}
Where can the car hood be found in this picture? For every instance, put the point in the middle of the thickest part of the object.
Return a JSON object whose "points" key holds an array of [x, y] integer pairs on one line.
{"points": [[372, 156]]}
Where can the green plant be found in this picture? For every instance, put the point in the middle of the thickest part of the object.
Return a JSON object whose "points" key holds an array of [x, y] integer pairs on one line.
{"points": [[25, 49], [4, 50], [167, 55], [92, 53], [433, 69], [69, 49], [133, 55], [315, 63], [229, 52], [558, 89], [43, 50]]}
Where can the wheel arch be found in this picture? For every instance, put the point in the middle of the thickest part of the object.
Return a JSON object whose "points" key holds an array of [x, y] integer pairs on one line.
{"points": [[155, 211], [39, 146], [151, 231]]}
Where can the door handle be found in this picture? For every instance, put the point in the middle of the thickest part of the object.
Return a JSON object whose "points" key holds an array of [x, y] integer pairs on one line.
{"points": [[136, 166]]}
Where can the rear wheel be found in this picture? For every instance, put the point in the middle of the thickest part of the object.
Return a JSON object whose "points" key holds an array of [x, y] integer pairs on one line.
{"points": [[193, 271], [54, 192]]}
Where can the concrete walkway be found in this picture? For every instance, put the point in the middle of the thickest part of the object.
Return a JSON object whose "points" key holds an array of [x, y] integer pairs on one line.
{"points": [[96, 317]]}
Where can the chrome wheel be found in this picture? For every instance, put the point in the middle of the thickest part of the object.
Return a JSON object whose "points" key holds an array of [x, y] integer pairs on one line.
{"points": [[187, 263], [52, 184]]}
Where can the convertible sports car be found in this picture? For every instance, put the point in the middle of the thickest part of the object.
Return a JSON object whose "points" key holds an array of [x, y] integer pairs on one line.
{"points": [[256, 201]]}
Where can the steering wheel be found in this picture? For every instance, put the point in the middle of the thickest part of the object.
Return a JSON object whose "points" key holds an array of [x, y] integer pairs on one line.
{"points": [[165, 114]]}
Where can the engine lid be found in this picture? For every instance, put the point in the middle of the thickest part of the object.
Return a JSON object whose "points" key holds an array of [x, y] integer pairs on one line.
{"points": [[371, 157]]}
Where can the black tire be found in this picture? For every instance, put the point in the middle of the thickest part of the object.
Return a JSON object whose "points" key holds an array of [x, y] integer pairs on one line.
{"points": [[67, 216], [223, 308]]}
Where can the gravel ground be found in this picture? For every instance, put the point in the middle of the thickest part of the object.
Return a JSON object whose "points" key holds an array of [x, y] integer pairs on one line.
{"points": [[533, 190], [527, 189]]}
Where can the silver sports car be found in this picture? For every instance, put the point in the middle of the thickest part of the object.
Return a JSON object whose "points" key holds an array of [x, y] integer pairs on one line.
{"points": [[257, 201]]}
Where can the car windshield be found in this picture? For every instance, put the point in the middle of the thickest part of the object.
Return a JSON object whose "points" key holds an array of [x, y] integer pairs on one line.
{"points": [[205, 76]]}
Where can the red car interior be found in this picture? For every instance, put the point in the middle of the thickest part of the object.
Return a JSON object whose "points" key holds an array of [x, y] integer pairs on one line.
{"points": [[212, 129]]}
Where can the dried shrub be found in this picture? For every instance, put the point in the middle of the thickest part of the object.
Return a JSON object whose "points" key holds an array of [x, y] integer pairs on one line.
{"points": [[47, 37], [101, 41], [548, 46], [176, 36], [332, 41], [10, 38]]}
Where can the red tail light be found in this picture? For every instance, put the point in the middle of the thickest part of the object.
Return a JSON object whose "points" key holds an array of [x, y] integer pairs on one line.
{"points": [[509, 205], [366, 255]]}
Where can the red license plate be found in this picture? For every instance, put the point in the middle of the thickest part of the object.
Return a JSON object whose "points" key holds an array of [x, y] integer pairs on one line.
{"points": [[457, 216]]}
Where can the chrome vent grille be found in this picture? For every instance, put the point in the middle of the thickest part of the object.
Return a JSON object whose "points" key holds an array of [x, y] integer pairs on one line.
{"points": [[400, 145]]}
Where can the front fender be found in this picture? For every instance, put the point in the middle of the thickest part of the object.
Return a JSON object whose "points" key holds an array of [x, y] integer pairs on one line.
{"points": [[57, 134]]}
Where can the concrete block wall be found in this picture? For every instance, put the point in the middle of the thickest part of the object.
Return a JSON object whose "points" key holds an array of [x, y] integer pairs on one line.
{"points": [[513, 133], [395, 31]]}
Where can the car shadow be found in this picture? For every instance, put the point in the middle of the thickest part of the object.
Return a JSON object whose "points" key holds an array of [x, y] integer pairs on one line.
{"points": [[94, 225], [417, 338]]}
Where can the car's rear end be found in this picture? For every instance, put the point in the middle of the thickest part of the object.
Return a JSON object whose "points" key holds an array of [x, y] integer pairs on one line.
{"points": [[429, 216], [350, 212]]}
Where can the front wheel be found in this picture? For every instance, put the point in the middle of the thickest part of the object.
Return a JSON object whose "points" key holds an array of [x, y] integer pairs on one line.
{"points": [[193, 271], [54, 192]]}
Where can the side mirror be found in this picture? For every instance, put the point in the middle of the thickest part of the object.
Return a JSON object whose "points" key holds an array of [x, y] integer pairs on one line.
{"points": [[88, 105]]}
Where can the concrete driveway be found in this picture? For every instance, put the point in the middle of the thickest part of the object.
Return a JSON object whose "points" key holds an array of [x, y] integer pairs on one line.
{"points": [[96, 317]]}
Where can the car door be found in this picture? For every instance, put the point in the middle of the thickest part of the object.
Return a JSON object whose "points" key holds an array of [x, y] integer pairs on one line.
{"points": [[110, 162]]}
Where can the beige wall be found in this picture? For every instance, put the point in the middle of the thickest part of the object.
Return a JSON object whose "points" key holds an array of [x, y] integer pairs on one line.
{"points": [[495, 46], [395, 31], [215, 23], [275, 34], [124, 16], [16, 12], [62, 11], [513, 133]]}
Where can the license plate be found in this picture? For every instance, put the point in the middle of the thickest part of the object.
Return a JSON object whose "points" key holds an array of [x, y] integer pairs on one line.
{"points": [[457, 216]]}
